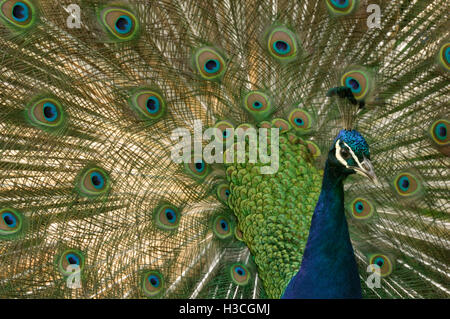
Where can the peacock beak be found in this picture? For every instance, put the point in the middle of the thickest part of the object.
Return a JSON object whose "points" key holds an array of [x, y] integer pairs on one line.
{"points": [[365, 168]]}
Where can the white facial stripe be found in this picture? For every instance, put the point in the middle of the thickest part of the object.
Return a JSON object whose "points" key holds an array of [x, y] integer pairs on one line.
{"points": [[341, 159], [364, 169], [353, 155], [338, 154]]}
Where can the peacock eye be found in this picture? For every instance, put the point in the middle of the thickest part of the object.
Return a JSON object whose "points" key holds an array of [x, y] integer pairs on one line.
{"points": [[300, 120], [439, 132], [362, 208], [382, 261], [121, 23], [223, 192], [71, 257], [46, 113], [167, 216], [20, 14], [407, 184], [240, 274], [225, 131], [209, 63], [11, 222], [359, 82], [153, 283], [282, 44], [197, 168], [281, 124], [258, 104], [222, 226], [148, 104], [341, 7], [93, 182], [444, 56], [313, 149], [345, 153]]}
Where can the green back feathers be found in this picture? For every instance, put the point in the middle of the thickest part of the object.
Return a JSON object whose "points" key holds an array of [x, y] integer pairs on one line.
{"points": [[274, 212]]}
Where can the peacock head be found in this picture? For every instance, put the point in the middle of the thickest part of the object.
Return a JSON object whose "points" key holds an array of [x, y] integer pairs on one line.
{"points": [[350, 154]]}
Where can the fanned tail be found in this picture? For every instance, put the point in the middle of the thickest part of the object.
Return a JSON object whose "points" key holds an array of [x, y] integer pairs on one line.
{"points": [[93, 205]]}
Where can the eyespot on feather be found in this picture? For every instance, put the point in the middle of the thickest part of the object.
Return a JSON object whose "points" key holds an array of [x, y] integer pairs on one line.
{"points": [[359, 82], [341, 7], [226, 131], [407, 185], [444, 56], [93, 181], [258, 104], [222, 226], [152, 283], [223, 193], [361, 208], [19, 14], [209, 63], [439, 135], [167, 216], [439, 132], [197, 168], [281, 124], [148, 104], [122, 24], [384, 262], [11, 222], [46, 113], [70, 257], [282, 44], [240, 274], [314, 149], [300, 120]]}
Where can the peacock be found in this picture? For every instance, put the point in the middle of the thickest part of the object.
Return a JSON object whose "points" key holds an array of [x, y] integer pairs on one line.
{"points": [[104, 106]]}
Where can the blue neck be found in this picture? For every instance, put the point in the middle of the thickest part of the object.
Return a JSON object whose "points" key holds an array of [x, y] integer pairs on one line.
{"points": [[328, 267]]}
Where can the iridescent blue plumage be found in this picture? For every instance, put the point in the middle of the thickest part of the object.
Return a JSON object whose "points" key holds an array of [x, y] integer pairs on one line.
{"points": [[328, 268], [355, 140]]}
